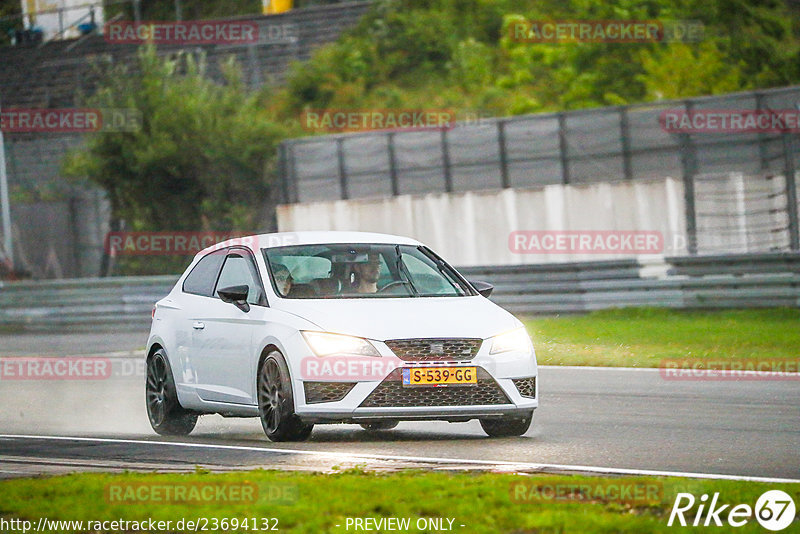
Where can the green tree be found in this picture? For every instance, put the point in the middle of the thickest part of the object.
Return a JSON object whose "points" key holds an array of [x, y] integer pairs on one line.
{"points": [[679, 71], [202, 160], [459, 54]]}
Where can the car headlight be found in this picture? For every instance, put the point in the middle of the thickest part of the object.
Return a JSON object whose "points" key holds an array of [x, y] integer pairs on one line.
{"points": [[515, 340], [325, 344]]}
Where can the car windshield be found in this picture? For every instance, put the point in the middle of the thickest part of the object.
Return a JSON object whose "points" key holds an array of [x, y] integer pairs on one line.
{"points": [[361, 271]]}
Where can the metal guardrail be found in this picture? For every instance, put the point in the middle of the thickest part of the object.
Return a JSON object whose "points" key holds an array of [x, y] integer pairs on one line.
{"points": [[700, 282], [686, 282], [82, 302]]}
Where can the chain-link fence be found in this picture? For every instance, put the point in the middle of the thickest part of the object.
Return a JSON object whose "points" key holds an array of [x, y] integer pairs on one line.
{"points": [[578, 147]]}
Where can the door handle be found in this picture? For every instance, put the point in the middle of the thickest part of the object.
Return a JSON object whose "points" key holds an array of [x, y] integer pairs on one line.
{"points": [[197, 325]]}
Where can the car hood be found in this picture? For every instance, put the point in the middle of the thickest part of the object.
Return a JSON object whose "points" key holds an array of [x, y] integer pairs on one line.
{"points": [[401, 318]]}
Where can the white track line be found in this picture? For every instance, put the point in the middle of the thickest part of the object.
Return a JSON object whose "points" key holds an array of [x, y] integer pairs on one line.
{"points": [[465, 461], [596, 368], [121, 355]]}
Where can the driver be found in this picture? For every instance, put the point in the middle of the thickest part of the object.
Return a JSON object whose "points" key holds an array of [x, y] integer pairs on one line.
{"points": [[367, 274], [283, 278]]}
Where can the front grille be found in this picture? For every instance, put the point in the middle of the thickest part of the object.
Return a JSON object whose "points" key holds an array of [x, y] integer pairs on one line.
{"points": [[526, 386], [317, 392], [435, 349], [391, 393]]}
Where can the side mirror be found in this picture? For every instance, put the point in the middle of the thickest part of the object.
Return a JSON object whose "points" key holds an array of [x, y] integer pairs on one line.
{"points": [[236, 295], [484, 288]]}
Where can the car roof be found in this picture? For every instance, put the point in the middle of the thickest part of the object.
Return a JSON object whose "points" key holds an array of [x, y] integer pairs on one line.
{"points": [[285, 239]]}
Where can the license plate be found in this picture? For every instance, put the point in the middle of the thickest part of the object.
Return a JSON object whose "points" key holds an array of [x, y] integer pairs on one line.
{"points": [[439, 376]]}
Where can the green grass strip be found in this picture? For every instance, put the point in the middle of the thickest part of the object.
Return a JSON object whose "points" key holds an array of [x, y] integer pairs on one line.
{"points": [[313, 502], [643, 337]]}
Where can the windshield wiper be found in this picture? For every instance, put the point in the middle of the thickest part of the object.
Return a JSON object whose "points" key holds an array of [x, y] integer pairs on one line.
{"points": [[403, 270], [443, 269]]}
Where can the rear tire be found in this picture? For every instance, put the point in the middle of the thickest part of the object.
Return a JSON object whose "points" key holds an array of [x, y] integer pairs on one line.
{"points": [[276, 402], [166, 415], [507, 426], [379, 425]]}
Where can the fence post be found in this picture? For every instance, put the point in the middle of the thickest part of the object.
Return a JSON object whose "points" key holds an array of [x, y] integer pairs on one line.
{"points": [[73, 267], [689, 165], [5, 205], [625, 142], [392, 165], [283, 168], [253, 67], [790, 181], [562, 146], [501, 139], [342, 169], [291, 174], [448, 177], [763, 155]]}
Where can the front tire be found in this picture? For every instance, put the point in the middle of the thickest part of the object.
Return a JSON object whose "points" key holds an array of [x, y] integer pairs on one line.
{"points": [[276, 402], [166, 415], [507, 426]]}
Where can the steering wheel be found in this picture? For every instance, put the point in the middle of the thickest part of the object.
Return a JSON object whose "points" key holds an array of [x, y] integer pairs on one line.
{"points": [[393, 284]]}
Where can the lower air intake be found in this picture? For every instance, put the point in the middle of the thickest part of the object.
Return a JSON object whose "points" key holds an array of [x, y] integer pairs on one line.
{"points": [[317, 392], [526, 386]]}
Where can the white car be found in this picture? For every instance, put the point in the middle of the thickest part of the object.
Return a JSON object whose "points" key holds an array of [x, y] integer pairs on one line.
{"points": [[335, 327]]}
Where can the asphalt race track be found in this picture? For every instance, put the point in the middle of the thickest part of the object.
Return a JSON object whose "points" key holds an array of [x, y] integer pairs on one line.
{"points": [[590, 420]]}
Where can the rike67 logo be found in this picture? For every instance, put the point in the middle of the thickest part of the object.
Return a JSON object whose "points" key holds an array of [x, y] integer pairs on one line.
{"points": [[774, 510]]}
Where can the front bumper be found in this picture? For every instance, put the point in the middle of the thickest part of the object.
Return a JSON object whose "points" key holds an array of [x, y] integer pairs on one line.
{"points": [[459, 415], [507, 386]]}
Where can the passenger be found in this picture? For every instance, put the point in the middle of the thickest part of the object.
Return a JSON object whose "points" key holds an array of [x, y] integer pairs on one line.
{"points": [[283, 278]]}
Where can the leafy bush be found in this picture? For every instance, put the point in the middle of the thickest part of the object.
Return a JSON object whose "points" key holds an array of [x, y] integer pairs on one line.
{"points": [[204, 155]]}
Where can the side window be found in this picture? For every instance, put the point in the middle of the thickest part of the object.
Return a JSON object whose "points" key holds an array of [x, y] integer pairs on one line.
{"points": [[203, 276], [239, 270]]}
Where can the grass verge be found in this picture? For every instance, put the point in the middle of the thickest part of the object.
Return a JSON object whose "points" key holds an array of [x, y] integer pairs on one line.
{"points": [[312, 502], [643, 337]]}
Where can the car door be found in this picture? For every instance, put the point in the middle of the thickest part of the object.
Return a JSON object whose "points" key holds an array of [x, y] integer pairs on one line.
{"points": [[222, 342], [197, 292]]}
